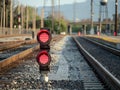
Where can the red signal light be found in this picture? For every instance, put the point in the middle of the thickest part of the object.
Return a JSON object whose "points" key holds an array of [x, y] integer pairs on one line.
{"points": [[43, 58], [44, 37]]}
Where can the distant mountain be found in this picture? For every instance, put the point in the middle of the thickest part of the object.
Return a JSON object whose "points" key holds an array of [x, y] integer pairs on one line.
{"points": [[82, 10]]}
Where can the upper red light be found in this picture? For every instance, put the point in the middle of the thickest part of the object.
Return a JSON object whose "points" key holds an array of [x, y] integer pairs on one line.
{"points": [[44, 36]]}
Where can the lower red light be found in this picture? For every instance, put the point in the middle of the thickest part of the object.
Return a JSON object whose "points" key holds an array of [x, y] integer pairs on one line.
{"points": [[43, 58]]}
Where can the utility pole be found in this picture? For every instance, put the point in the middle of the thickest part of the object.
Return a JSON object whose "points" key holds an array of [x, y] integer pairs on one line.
{"points": [[22, 17], [27, 17], [4, 14], [11, 17], [1, 17], [6, 18], [74, 12], [100, 24], [42, 18], [42, 14], [34, 19], [59, 11], [44, 4], [59, 15], [52, 15], [34, 22], [116, 18], [92, 29]]}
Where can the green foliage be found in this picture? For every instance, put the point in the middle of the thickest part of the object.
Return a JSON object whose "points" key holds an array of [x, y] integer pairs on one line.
{"points": [[57, 29], [76, 28], [59, 26], [37, 17], [48, 23], [63, 25]]}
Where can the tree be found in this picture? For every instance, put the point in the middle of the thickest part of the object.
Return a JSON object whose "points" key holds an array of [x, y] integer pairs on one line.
{"points": [[7, 10], [25, 15], [57, 29]]}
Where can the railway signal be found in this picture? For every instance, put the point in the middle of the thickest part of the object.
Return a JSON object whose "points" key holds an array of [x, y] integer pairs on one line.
{"points": [[43, 57], [19, 21]]}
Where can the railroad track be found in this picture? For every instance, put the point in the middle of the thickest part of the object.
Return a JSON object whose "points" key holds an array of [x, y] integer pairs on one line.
{"points": [[12, 51], [8, 57], [26, 74], [10, 75], [5, 46], [65, 74], [105, 60], [105, 46]]}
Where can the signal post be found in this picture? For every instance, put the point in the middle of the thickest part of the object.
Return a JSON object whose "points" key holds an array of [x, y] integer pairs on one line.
{"points": [[43, 58]]}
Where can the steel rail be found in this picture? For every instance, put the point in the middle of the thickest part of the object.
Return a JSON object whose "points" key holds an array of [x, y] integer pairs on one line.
{"points": [[105, 75], [8, 61], [15, 57], [15, 45], [108, 48]]}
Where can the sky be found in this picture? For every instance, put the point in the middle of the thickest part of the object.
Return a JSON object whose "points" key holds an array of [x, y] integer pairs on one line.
{"points": [[37, 3]]}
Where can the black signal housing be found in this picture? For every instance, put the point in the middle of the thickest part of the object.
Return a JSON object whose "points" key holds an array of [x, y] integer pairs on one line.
{"points": [[43, 58]]}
